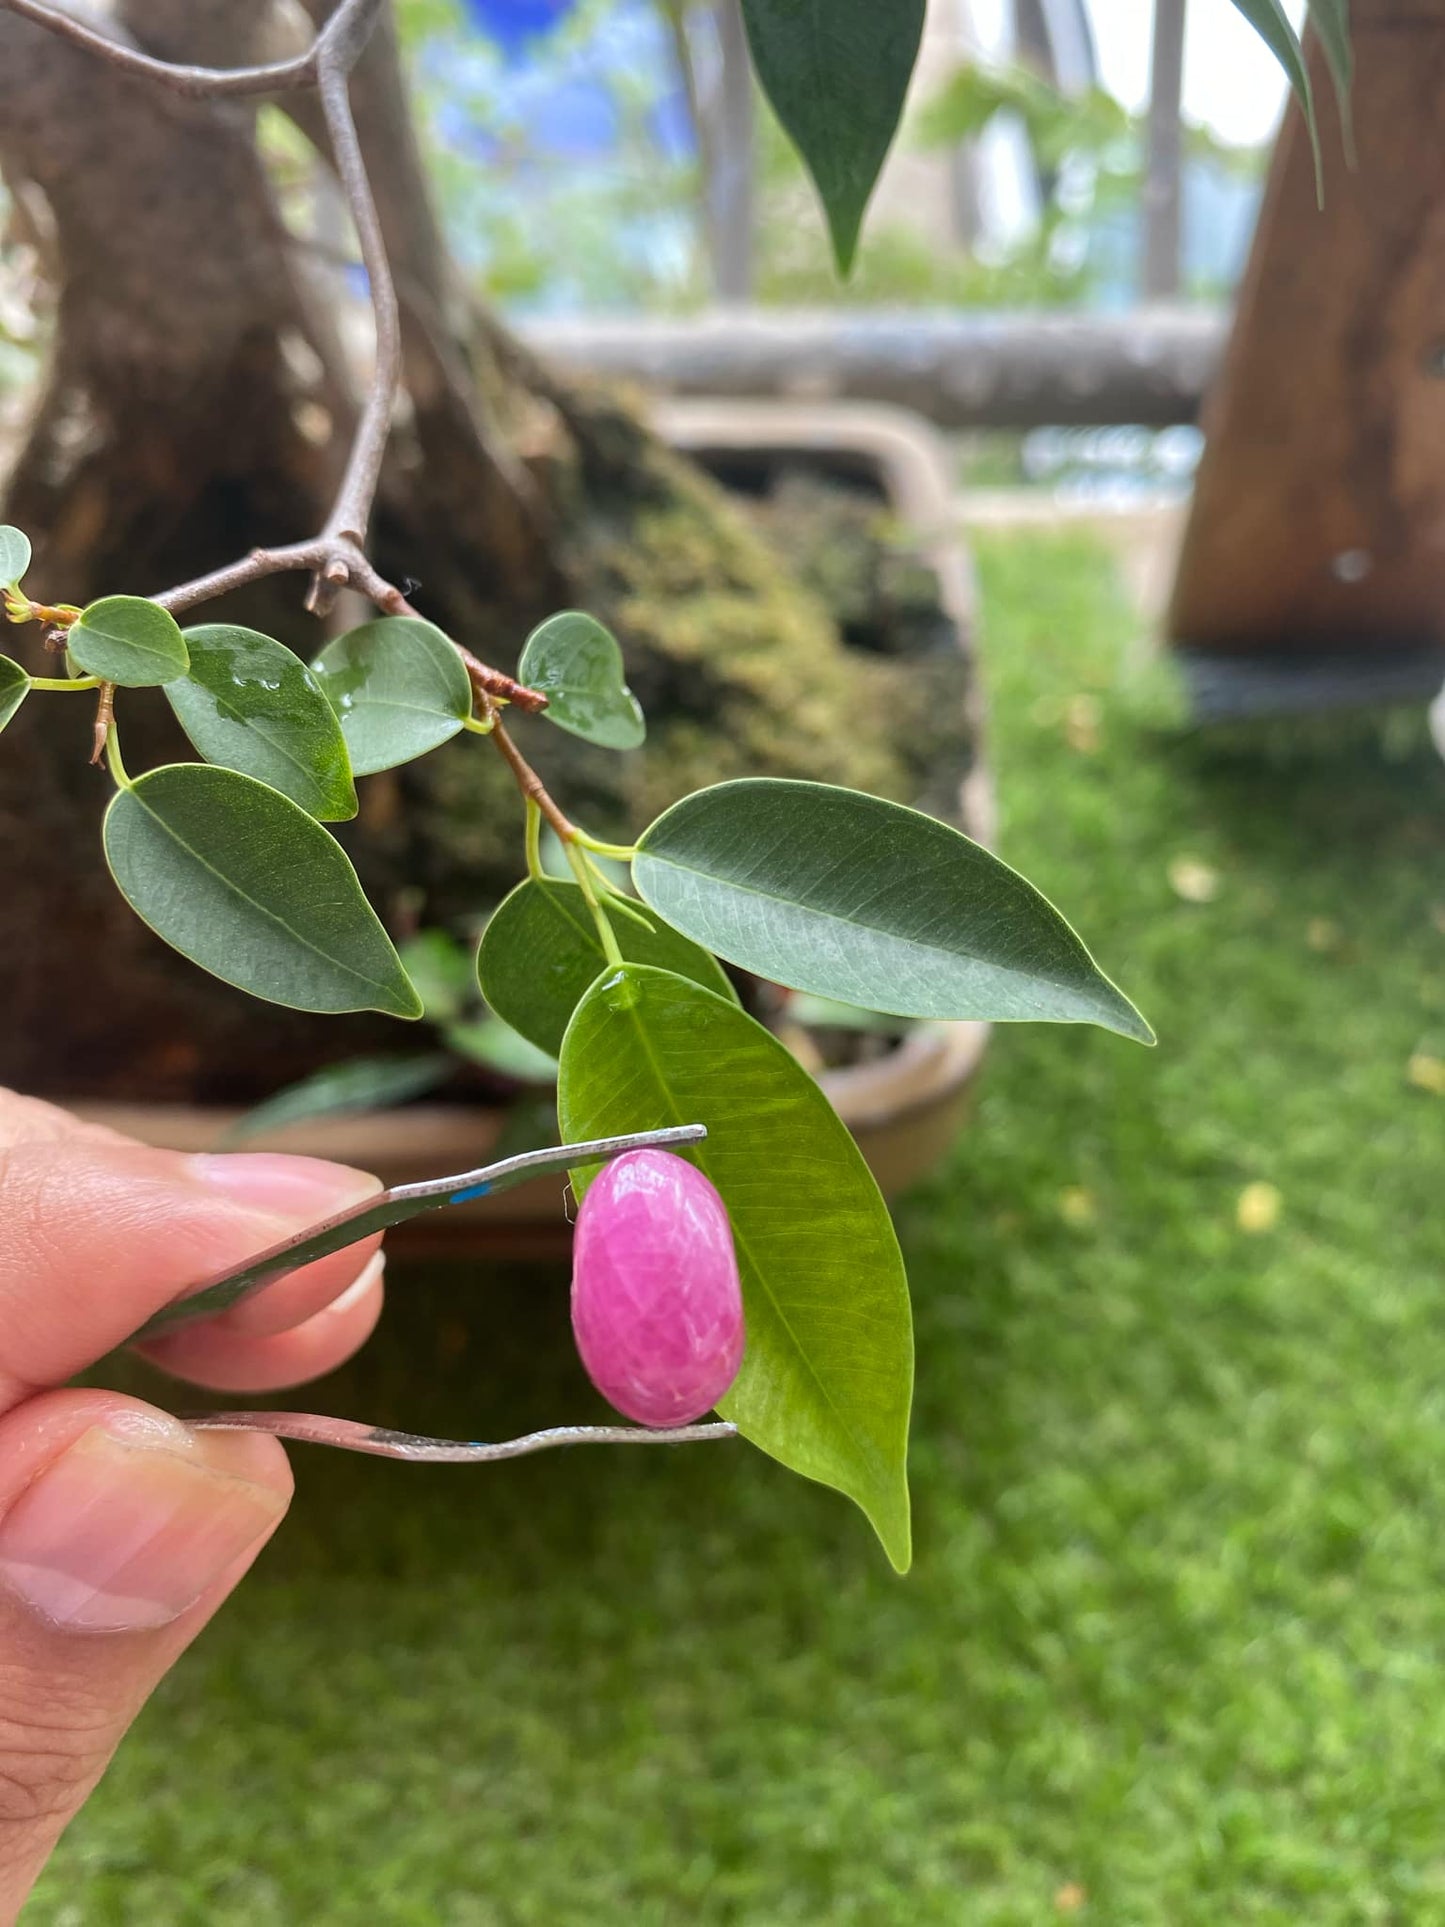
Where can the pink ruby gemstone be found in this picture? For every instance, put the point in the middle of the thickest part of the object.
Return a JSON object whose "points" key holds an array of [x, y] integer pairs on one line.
{"points": [[656, 1306]]}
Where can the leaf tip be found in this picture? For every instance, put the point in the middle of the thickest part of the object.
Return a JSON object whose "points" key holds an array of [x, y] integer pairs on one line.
{"points": [[403, 1000], [893, 1523]]}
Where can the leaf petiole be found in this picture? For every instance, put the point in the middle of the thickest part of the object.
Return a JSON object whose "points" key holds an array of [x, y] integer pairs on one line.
{"points": [[65, 682], [582, 870], [535, 868], [619, 852], [113, 761]]}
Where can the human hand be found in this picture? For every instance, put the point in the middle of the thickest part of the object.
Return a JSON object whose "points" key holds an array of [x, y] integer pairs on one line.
{"points": [[122, 1531]]}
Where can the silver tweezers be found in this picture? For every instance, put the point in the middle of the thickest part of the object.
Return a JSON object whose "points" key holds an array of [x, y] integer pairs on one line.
{"points": [[380, 1213]]}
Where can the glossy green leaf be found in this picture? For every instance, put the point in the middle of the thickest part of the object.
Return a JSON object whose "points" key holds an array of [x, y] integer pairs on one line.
{"points": [[125, 639], [14, 688], [838, 893], [827, 1378], [837, 74], [497, 1047], [399, 687], [540, 953], [341, 1090], [1273, 25], [577, 663], [248, 703], [242, 881], [14, 555]]}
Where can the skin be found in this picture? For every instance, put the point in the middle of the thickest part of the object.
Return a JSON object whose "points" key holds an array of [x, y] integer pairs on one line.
{"points": [[121, 1531]]}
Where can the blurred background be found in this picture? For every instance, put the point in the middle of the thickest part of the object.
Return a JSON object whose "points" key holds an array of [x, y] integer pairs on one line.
{"points": [[1171, 1649]]}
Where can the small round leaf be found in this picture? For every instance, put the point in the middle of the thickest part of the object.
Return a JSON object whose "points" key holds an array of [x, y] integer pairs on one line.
{"points": [[14, 555], [577, 664], [399, 688], [125, 639]]}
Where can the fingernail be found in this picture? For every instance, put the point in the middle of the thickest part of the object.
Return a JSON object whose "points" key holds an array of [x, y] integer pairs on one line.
{"points": [[286, 1187], [269, 1313], [130, 1526], [361, 1285]]}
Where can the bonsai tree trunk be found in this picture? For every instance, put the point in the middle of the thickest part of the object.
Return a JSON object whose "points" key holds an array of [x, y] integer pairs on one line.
{"points": [[199, 401]]}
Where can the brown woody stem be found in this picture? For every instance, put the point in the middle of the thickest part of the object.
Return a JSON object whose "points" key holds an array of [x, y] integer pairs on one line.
{"points": [[531, 784], [104, 721]]}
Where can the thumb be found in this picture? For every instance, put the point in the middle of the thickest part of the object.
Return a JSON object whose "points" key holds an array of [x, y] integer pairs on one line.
{"points": [[121, 1532]]}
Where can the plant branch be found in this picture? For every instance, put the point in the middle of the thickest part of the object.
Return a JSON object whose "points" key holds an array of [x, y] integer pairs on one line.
{"points": [[338, 43], [531, 784], [351, 511]]}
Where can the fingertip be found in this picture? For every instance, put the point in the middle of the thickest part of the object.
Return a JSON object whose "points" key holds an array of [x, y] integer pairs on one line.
{"points": [[226, 1362]]}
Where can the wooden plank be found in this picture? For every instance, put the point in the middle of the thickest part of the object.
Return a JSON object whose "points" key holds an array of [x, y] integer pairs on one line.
{"points": [[1318, 521]]}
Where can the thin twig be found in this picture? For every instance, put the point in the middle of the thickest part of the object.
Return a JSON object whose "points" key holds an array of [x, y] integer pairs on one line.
{"points": [[104, 722], [351, 511], [494, 686], [340, 40], [531, 784]]}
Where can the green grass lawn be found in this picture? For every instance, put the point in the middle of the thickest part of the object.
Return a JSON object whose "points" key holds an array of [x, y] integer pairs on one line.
{"points": [[1173, 1649]]}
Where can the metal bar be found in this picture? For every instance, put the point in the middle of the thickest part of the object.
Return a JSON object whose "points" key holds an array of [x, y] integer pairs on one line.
{"points": [[395, 1207], [350, 1435]]}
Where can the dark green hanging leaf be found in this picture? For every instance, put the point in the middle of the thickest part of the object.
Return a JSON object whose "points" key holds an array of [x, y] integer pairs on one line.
{"points": [[827, 1378], [841, 894], [577, 663], [1272, 24], [14, 555], [540, 953], [243, 882], [342, 1090], [399, 687], [497, 1047], [248, 703], [125, 639], [837, 74], [14, 688], [1331, 21]]}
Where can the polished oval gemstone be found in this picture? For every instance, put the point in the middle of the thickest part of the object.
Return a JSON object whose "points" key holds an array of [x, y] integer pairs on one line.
{"points": [[656, 1306]]}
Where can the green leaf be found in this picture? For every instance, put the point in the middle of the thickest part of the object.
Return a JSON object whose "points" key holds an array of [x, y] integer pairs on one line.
{"points": [[125, 639], [14, 555], [1272, 24], [831, 891], [826, 1013], [497, 1047], [248, 703], [363, 1084], [399, 687], [577, 663], [1331, 21], [837, 74], [14, 688], [827, 1378], [443, 971], [242, 881], [540, 952]]}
